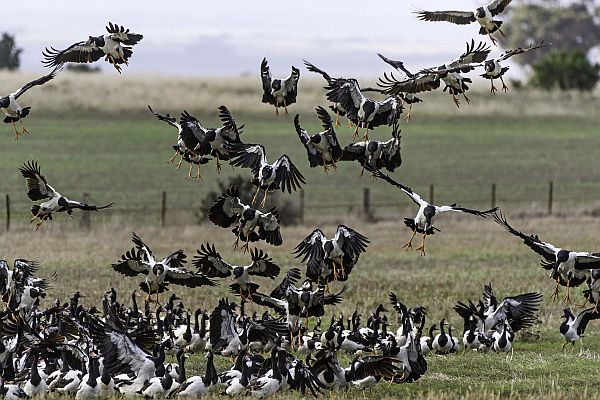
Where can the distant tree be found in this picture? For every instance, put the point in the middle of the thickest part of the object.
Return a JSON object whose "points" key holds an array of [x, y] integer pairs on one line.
{"points": [[9, 53], [567, 25], [565, 70], [84, 68]]}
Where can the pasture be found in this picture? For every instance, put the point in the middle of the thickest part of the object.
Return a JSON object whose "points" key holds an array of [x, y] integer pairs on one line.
{"points": [[100, 139]]}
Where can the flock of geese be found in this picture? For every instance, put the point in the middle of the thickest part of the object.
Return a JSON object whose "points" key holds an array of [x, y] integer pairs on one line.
{"points": [[122, 346]]}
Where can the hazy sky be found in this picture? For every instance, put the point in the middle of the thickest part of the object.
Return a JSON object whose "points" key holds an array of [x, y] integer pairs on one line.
{"points": [[195, 37]]}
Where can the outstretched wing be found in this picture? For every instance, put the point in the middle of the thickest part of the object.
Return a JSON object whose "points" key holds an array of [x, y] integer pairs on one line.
{"points": [[291, 86], [268, 227], [175, 259], [398, 65], [209, 262], [424, 81], [488, 296], [354, 152], [287, 176], [519, 311], [333, 299], [414, 196], [585, 260], [226, 209], [87, 207], [122, 35], [287, 283], [311, 248], [37, 187], [546, 250], [232, 130], [474, 54], [456, 17], [183, 277], [131, 264], [247, 155], [146, 253], [37, 82], [165, 118], [520, 50], [346, 92], [81, 52], [350, 241], [263, 265], [265, 74], [379, 366], [497, 6], [471, 211], [313, 68]]}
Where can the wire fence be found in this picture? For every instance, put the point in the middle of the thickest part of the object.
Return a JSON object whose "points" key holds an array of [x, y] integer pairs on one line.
{"points": [[323, 203]]}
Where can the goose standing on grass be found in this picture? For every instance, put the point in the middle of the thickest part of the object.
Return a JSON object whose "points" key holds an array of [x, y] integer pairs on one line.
{"points": [[35, 385], [322, 148], [282, 174], [573, 328], [503, 338], [210, 263], [159, 274], [423, 221], [89, 388], [197, 386], [568, 268], [268, 384], [116, 47], [442, 343], [279, 92], [484, 16], [14, 111], [252, 225], [427, 341], [39, 189]]}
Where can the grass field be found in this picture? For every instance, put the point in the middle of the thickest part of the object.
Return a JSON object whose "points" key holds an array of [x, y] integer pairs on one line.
{"points": [[99, 139]]}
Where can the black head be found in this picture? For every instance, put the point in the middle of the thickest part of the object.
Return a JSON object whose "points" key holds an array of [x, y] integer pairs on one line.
{"points": [[211, 135], [276, 85], [489, 65], [238, 272], [158, 269], [480, 12], [249, 214], [372, 146], [267, 171], [97, 40], [562, 256], [4, 102], [315, 138], [328, 246], [368, 108]]}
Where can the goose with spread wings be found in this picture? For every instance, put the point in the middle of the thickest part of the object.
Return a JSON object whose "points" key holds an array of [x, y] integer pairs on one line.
{"points": [[331, 259], [251, 225], [493, 67], [361, 110], [38, 189], [322, 148], [484, 16], [408, 98], [568, 268], [573, 327], [375, 153], [159, 273], [11, 108], [279, 92], [282, 174], [210, 263], [116, 47], [423, 221], [450, 73]]}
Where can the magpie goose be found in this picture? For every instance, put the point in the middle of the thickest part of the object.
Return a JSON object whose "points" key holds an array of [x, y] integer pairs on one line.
{"points": [[252, 225], [568, 268], [89, 388], [39, 189], [483, 15], [449, 73], [210, 263], [116, 47], [13, 111], [331, 259], [322, 148], [35, 385], [423, 221], [282, 174], [494, 69], [269, 383], [442, 343], [196, 386], [503, 338], [335, 107], [361, 110], [573, 327], [159, 274], [375, 153], [279, 92]]}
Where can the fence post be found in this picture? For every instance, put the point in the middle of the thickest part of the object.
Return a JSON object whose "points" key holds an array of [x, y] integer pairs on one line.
{"points": [[301, 211], [163, 209], [493, 195], [367, 202], [550, 196], [85, 222], [7, 213], [431, 194]]}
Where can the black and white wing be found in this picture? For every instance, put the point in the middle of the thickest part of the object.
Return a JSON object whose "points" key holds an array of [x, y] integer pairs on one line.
{"points": [[333, 299], [87, 207], [379, 366], [248, 155], [146, 253], [519, 311], [391, 156], [314, 157], [455, 208], [210, 263], [520, 50], [194, 135], [263, 265], [347, 93], [408, 191], [313, 68], [584, 317], [284, 288], [279, 305], [291, 86], [287, 176], [497, 6], [183, 277], [311, 249], [474, 54], [37, 186], [585, 260], [423, 81], [354, 152], [175, 259], [165, 118], [226, 209], [489, 298], [546, 250], [350, 241], [398, 65], [455, 17], [25, 269], [231, 132], [222, 326], [37, 82], [265, 74], [122, 35], [131, 263], [329, 132], [81, 52], [268, 227]]}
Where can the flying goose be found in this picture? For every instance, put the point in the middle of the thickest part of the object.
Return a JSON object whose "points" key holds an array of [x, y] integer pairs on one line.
{"points": [[279, 92], [377, 154], [322, 148]]}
